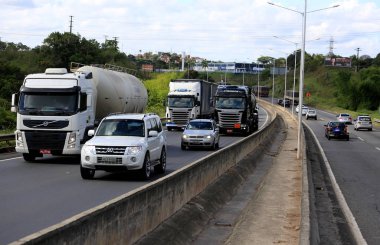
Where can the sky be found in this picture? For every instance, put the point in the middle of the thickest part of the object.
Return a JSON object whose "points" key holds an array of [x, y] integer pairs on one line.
{"points": [[217, 30]]}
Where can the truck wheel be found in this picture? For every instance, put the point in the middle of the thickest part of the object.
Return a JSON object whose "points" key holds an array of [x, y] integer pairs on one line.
{"points": [[183, 147], [145, 170], [87, 173], [29, 157], [169, 128], [160, 168]]}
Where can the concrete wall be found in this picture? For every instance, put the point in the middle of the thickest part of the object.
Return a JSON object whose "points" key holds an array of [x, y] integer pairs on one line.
{"points": [[125, 219]]}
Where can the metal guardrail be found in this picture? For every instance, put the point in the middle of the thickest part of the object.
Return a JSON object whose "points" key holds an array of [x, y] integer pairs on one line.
{"points": [[7, 137]]}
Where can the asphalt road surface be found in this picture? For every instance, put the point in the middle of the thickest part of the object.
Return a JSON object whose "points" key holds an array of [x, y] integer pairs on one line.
{"points": [[356, 167]]}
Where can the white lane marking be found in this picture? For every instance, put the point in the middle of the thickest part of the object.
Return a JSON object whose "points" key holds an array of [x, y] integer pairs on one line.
{"points": [[378, 148], [9, 159], [360, 139]]}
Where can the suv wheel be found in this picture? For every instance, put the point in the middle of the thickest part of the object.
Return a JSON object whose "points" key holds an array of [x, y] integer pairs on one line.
{"points": [[160, 168], [87, 173], [145, 170]]}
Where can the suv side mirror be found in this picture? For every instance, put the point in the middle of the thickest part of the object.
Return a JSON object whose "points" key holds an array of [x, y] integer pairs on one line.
{"points": [[91, 132], [153, 133]]}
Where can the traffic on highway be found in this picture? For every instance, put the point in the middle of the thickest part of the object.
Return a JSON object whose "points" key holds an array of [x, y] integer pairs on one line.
{"points": [[36, 195]]}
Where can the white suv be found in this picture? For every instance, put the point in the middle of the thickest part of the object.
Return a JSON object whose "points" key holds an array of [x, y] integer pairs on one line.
{"points": [[125, 142]]}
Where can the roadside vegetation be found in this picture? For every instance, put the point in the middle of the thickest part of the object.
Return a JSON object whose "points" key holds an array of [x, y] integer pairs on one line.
{"points": [[333, 89]]}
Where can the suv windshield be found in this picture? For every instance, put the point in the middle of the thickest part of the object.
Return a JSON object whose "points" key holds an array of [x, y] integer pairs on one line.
{"points": [[121, 127]]}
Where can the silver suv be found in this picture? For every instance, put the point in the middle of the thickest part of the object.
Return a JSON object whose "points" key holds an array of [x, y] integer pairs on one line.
{"points": [[125, 142], [363, 122]]}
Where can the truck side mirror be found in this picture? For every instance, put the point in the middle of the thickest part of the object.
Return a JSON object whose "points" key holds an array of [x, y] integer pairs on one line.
{"points": [[13, 105]]}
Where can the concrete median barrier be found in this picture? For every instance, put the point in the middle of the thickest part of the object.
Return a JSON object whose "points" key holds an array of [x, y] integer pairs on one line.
{"points": [[127, 218]]}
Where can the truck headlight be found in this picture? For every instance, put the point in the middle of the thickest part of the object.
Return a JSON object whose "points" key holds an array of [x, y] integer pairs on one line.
{"points": [[208, 137], [133, 150], [19, 140], [185, 136], [72, 138], [19, 137]]}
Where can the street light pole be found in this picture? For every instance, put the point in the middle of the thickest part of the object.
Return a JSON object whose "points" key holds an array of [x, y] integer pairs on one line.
{"points": [[302, 66], [273, 80], [294, 81], [258, 80]]}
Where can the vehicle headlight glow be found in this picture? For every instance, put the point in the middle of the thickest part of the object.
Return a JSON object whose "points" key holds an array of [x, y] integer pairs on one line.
{"points": [[185, 136], [133, 150], [208, 137]]}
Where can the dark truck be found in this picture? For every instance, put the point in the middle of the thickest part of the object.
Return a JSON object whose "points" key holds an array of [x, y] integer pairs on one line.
{"points": [[236, 109]]}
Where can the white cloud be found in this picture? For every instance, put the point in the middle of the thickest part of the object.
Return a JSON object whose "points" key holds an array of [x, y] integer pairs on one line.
{"points": [[215, 29]]}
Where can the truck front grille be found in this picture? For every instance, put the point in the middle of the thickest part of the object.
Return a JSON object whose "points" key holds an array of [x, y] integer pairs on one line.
{"points": [[227, 120], [46, 124], [110, 150], [180, 117], [38, 140]]}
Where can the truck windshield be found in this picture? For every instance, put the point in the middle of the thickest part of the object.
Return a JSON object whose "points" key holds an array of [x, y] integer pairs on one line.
{"points": [[48, 103], [181, 102], [121, 127], [230, 103]]}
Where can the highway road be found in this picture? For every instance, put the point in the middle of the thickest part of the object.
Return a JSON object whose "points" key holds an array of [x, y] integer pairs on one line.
{"points": [[40, 194], [356, 167]]}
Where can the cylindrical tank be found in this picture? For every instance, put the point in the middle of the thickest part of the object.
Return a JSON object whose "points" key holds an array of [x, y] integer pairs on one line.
{"points": [[116, 92]]}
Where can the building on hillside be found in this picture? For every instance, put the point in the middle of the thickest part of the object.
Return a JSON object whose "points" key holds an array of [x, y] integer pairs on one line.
{"points": [[230, 67]]}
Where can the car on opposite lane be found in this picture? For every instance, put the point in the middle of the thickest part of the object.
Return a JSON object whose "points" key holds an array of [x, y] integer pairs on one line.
{"points": [[363, 122], [311, 113], [336, 129], [200, 133], [344, 117]]}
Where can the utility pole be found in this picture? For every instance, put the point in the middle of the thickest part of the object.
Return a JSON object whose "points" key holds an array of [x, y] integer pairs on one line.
{"points": [[71, 23], [357, 59], [115, 39]]}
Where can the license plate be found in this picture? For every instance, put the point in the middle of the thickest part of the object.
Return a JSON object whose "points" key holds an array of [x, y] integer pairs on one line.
{"points": [[229, 130], [45, 151], [108, 160]]}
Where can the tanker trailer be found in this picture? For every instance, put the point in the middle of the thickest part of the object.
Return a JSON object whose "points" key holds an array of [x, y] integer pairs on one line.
{"points": [[56, 109]]}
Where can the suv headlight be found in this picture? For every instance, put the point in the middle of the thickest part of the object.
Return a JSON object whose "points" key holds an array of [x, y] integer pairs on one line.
{"points": [[89, 149], [133, 150], [208, 137], [185, 136]]}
